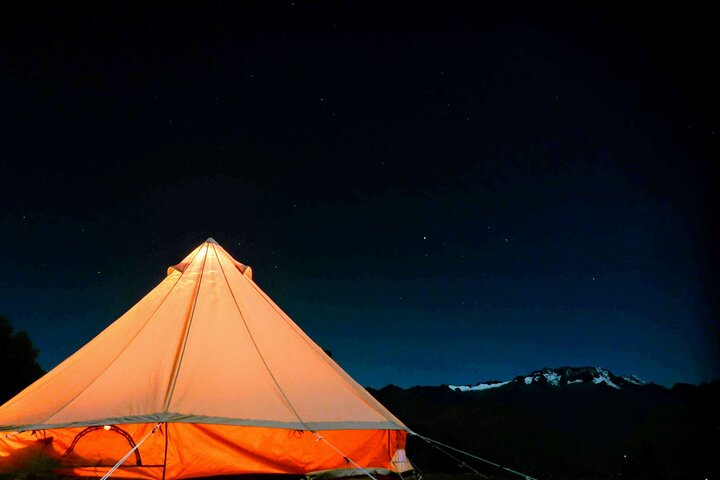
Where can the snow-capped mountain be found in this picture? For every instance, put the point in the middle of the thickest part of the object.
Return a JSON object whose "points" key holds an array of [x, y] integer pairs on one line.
{"points": [[559, 377]]}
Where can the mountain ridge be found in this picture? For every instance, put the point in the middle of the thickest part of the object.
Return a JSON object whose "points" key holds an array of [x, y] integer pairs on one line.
{"points": [[559, 377]]}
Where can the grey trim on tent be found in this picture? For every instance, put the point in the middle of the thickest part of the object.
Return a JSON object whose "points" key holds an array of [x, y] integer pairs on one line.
{"points": [[202, 419]]}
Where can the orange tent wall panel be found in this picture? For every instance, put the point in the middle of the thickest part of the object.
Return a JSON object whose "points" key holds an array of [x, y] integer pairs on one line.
{"points": [[197, 450]]}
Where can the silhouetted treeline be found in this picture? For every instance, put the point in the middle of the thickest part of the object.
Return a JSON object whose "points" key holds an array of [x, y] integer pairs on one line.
{"points": [[18, 361]]}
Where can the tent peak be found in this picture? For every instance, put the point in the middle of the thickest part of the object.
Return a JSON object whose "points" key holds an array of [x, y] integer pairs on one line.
{"points": [[211, 240]]}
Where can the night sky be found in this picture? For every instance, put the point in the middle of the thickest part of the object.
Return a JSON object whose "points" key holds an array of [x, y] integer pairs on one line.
{"points": [[435, 192]]}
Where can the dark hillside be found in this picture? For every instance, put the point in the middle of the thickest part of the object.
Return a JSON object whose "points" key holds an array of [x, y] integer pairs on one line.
{"points": [[571, 431]]}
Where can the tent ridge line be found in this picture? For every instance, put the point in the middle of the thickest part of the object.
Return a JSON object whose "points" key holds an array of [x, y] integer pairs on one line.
{"points": [[176, 368], [150, 317], [252, 338], [342, 374]]}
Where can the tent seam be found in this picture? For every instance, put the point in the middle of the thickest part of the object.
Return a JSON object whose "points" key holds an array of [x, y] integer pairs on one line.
{"points": [[315, 348], [257, 348], [123, 349], [187, 332]]}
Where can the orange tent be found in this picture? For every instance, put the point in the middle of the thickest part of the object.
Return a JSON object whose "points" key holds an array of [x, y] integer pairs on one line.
{"points": [[204, 376]]}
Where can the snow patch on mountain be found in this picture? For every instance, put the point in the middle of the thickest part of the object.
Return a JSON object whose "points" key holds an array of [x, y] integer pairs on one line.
{"points": [[478, 387], [634, 380], [551, 378], [603, 376]]}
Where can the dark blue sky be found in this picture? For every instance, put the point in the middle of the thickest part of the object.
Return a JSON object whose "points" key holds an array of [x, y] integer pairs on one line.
{"points": [[435, 193]]}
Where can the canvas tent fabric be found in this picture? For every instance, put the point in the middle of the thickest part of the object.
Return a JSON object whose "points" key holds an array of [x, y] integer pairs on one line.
{"points": [[229, 383]]}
